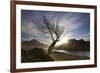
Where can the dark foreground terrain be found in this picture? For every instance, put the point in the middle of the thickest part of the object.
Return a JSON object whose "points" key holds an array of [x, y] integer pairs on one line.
{"points": [[39, 55], [35, 55]]}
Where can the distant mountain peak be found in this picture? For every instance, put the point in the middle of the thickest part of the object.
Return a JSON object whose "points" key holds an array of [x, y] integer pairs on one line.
{"points": [[34, 41]]}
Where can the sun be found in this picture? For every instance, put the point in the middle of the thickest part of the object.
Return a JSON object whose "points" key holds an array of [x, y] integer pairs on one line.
{"points": [[62, 41]]}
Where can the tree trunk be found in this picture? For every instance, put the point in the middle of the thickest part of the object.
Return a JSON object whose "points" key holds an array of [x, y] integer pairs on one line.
{"points": [[51, 47]]}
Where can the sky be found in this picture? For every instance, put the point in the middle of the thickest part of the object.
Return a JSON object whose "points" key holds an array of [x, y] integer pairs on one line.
{"points": [[76, 25]]}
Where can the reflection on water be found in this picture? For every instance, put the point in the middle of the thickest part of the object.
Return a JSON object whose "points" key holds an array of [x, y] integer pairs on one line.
{"points": [[77, 53]]}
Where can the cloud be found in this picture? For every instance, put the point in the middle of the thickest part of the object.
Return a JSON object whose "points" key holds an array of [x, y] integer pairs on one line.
{"points": [[86, 36], [29, 31], [69, 20]]}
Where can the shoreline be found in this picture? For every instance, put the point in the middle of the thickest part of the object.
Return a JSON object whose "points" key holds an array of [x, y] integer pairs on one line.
{"points": [[58, 56]]}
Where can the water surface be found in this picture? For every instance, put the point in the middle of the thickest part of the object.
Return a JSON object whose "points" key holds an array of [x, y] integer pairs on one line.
{"points": [[77, 53]]}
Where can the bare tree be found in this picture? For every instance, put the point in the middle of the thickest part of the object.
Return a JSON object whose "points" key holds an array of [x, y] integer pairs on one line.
{"points": [[51, 26]]}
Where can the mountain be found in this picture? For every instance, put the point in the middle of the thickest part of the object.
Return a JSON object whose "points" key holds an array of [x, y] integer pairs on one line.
{"points": [[75, 45], [28, 45]]}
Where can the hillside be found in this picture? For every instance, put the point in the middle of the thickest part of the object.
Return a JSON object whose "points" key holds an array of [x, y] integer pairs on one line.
{"points": [[28, 45], [35, 55], [75, 45]]}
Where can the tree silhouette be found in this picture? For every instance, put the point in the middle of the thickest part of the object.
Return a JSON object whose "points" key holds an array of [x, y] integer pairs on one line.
{"points": [[50, 25]]}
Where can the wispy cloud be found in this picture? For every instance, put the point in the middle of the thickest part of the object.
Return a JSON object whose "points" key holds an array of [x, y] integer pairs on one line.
{"points": [[86, 36], [75, 25]]}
